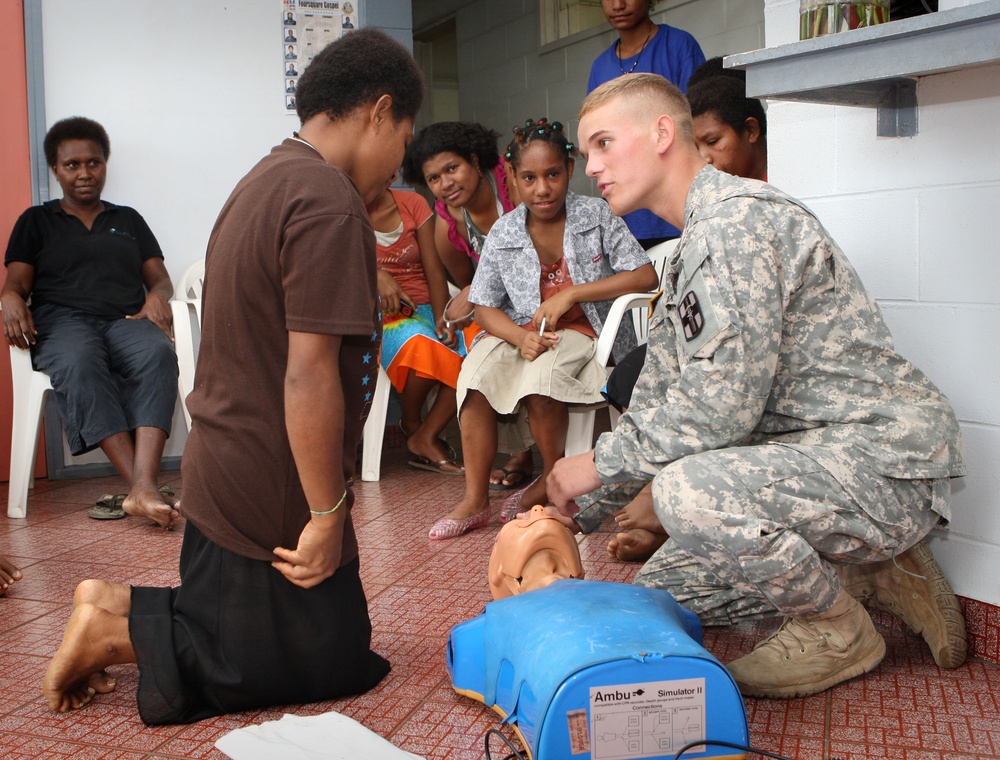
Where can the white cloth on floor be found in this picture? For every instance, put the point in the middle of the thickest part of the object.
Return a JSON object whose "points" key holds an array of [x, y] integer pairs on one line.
{"points": [[330, 736]]}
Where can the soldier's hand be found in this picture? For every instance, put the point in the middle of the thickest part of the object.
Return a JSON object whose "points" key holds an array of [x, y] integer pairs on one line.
{"points": [[571, 477]]}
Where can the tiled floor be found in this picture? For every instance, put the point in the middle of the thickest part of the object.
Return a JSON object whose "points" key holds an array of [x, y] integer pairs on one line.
{"points": [[417, 589]]}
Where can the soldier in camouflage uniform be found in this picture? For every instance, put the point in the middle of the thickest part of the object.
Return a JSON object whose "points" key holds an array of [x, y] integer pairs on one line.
{"points": [[788, 444]]}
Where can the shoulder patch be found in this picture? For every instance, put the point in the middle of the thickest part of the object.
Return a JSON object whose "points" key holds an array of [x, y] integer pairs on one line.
{"points": [[701, 316], [692, 320]]}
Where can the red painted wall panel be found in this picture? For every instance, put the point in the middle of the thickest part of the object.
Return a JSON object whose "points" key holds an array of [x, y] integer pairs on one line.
{"points": [[15, 191]]}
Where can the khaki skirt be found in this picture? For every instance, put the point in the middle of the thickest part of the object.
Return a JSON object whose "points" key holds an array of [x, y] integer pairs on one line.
{"points": [[569, 373]]}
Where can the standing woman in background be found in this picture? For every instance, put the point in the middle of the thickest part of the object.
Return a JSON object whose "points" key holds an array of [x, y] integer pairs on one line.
{"points": [[459, 163], [643, 46]]}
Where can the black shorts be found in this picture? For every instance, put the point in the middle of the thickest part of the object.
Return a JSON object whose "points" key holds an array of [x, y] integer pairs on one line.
{"points": [[621, 381], [236, 635]]}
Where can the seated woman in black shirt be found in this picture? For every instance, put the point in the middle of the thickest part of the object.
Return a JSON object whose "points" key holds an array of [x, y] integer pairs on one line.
{"points": [[99, 321]]}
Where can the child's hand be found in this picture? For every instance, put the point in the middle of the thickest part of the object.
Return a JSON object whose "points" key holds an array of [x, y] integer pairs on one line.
{"points": [[458, 311], [552, 310], [392, 293], [446, 333], [534, 344]]}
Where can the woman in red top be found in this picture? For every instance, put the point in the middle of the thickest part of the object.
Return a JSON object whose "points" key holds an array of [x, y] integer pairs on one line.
{"points": [[420, 352]]}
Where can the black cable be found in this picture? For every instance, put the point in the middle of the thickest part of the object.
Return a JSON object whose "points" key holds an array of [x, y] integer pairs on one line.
{"points": [[743, 747], [515, 752]]}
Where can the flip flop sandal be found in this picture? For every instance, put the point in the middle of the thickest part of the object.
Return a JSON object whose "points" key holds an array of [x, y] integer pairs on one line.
{"points": [[422, 463], [108, 507], [452, 454], [519, 483]]}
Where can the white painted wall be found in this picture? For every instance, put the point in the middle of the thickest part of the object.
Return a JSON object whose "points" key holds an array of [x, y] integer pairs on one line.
{"points": [[192, 95], [918, 218]]}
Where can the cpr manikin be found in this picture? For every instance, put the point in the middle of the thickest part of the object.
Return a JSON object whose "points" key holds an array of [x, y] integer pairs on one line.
{"points": [[532, 552]]}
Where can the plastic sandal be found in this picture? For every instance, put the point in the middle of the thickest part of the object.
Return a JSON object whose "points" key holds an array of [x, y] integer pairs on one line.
{"points": [[447, 527]]}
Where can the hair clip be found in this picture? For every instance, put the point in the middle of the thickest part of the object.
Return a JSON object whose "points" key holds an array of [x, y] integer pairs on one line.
{"points": [[569, 147], [557, 126]]}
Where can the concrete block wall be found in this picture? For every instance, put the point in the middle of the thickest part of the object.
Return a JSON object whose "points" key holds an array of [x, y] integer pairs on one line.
{"points": [[505, 78], [918, 219]]}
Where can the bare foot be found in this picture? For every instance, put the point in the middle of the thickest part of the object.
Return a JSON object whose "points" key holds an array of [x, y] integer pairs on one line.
{"points": [[116, 598], [635, 545], [149, 502], [640, 513], [102, 683], [9, 574], [94, 639], [516, 472]]}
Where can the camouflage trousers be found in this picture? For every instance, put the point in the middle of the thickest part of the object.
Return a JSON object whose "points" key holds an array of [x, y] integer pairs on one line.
{"points": [[759, 530]]}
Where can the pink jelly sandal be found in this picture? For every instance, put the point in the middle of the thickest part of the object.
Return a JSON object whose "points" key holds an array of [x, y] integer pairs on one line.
{"points": [[447, 527], [512, 505]]}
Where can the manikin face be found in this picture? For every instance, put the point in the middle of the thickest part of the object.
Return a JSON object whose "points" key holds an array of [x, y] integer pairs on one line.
{"points": [[451, 178], [725, 148], [626, 14], [621, 154], [542, 177], [530, 553], [81, 170]]}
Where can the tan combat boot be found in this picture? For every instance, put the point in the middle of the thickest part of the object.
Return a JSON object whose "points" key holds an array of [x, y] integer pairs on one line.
{"points": [[926, 604], [807, 656]]}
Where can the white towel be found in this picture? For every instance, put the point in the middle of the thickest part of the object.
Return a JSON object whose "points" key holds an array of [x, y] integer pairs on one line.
{"points": [[330, 736]]}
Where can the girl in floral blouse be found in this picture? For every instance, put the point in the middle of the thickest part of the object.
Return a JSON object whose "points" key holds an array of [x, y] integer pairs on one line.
{"points": [[548, 273]]}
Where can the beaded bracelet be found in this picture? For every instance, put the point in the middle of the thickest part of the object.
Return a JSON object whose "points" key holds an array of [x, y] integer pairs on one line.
{"points": [[335, 508]]}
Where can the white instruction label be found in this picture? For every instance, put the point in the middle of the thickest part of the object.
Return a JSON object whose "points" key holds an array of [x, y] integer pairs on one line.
{"points": [[639, 720]]}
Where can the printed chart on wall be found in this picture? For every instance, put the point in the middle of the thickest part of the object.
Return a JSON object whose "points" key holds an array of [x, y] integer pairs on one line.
{"points": [[308, 26]]}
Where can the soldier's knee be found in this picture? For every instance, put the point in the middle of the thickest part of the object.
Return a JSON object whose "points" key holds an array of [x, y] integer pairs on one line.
{"points": [[684, 488]]}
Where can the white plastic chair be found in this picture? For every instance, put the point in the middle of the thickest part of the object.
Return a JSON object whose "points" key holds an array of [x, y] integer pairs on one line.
{"points": [[374, 432], [30, 389], [580, 433], [186, 308]]}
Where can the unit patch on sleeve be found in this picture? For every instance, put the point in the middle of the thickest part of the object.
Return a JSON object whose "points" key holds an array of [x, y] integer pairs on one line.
{"points": [[700, 316], [692, 320]]}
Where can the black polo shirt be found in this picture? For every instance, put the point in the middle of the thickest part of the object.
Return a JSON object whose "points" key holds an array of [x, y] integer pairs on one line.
{"points": [[97, 271]]}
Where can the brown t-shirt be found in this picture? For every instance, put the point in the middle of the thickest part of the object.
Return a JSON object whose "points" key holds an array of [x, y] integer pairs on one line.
{"points": [[292, 250]]}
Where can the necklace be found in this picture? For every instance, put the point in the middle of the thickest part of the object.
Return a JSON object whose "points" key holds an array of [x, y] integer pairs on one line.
{"points": [[618, 51], [295, 136]]}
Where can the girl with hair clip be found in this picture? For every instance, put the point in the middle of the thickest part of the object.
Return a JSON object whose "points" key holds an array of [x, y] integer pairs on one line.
{"points": [[547, 275]]}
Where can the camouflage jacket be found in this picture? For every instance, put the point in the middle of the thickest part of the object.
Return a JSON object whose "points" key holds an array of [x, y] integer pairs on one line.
{"points": [[764, 333]]}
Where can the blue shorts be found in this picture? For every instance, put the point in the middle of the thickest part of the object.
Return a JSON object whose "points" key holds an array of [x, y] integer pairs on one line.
{"points": [[108, 375]]}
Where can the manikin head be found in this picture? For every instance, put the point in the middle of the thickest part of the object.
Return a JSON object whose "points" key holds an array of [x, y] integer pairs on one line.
{"points": [[530, 553]]}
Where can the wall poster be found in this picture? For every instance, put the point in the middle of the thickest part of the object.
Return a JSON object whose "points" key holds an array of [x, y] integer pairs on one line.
{"points": [[308, 26]]}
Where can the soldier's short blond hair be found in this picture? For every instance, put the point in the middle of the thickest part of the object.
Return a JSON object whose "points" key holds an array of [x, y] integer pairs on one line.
{"points": [[649, 95]]}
